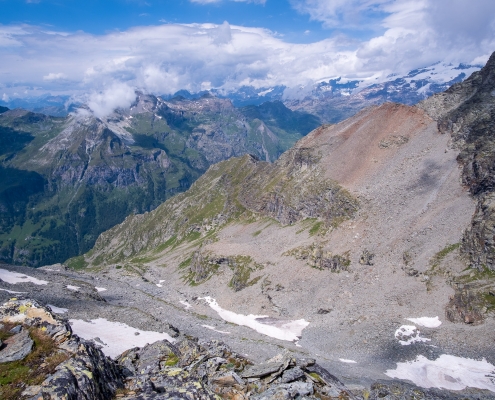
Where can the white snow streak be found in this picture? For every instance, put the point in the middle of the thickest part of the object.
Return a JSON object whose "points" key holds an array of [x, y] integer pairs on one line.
{"points": [[447, 372], [118, 337], [427, 322], [283, 330], [57, 310], [14, 277], [214, 329], [186, 304], [12, 292]]}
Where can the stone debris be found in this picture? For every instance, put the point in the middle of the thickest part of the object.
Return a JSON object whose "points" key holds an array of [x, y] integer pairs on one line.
{"points": [[86, 374], [188, 369], [16, 347]]}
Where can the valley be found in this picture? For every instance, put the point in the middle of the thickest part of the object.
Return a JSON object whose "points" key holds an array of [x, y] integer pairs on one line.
{"points": [[66, 180], [366, 246]]}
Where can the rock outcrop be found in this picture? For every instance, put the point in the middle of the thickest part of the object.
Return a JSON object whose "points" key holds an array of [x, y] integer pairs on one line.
{"points": [[467, 112], [61, 365]]}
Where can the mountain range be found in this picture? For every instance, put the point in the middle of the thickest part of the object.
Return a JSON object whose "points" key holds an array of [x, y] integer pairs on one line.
{"points": [[67, 179], [365, 248]]}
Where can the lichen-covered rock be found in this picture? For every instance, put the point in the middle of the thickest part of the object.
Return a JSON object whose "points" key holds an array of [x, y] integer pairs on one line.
{"points": [[84, 371]]}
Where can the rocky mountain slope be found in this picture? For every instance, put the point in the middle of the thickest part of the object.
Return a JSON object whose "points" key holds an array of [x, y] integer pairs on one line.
{"points": [[354, 245], [63, 365], [66, 180]]}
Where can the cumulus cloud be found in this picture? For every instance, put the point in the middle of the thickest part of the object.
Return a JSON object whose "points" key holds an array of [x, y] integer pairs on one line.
{"points": [[117, 95], [52, 76], [166, 58]]}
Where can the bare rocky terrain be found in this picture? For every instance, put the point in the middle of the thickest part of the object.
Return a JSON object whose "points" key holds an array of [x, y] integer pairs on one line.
{"points": [[358, 248]]}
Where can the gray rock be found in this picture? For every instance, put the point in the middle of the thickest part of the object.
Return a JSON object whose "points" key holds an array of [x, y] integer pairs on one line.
{"points": [[286, 391], [292, 374], [17, 347], [16, 329], [305, 362], [257, 371]]}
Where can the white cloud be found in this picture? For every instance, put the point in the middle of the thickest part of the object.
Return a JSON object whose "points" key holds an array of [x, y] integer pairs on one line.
{"points": [[52, 76], [117, 95], [5, 98], [166, 58]]}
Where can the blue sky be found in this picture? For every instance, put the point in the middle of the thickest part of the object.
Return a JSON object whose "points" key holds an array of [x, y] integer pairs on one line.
{"points": [[102, 51], [100, 17]]}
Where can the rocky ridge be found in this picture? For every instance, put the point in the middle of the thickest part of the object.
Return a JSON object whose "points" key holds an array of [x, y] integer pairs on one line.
{"points": [[467, 112]]}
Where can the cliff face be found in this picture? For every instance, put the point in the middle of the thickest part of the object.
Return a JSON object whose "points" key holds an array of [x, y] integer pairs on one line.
{"points": [[467, 112], [66, 180]]}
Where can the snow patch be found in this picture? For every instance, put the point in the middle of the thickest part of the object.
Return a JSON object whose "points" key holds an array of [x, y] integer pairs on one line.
{"points": [[427, 322], [14, 277], [278, 329], [186, 304], [409, 334], [12, 292], [116, 336], [214, 329], [57, 310], [447, 372], [347, 361], [265, 92], [75, 288]]}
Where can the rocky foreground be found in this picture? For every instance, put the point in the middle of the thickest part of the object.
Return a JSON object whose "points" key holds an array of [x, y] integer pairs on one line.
{"points": [[41, 358]]}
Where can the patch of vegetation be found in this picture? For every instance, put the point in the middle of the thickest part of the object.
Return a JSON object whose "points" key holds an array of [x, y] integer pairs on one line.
{"points": [[77, 263], [439, 257], [317, 257], [118, 267], [315, 228], [185, 263], [32, 370], [169, 243], [242, 266], [257, 233], [172, 360]]}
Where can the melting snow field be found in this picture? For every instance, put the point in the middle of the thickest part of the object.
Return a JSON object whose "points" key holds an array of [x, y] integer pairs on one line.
{"points": [[116, 336], [283, 330], [100, 289], [214, 329], [409, 334], [75, 288], [427, 322], [447, 372], [14, 277], [347, 361], [57, 310]]}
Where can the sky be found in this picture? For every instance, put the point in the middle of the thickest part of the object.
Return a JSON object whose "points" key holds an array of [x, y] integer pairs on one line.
{"points": [[102, 51]]}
